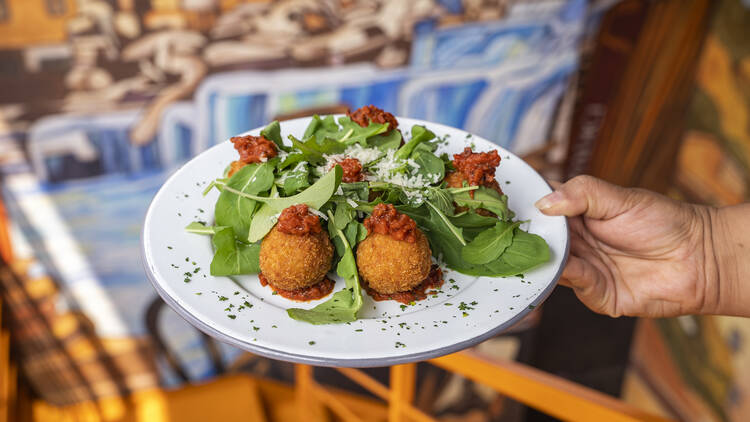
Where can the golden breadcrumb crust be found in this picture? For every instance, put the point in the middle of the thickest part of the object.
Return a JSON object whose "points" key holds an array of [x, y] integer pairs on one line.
{"points": [[291, 262], [389, 265]]}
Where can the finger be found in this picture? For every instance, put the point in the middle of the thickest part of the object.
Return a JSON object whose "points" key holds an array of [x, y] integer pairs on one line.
{"points": [[589, 196], [587, 283]]}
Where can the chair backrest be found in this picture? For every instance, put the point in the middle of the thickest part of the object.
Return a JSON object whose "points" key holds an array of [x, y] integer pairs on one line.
{"points": [[170, 357]]}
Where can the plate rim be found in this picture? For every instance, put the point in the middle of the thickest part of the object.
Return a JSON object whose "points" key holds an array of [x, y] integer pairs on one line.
{"points": [[344, 362]]}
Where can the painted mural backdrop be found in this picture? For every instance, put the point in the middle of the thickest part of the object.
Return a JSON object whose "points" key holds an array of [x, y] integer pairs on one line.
{"points": [[100, 100]]}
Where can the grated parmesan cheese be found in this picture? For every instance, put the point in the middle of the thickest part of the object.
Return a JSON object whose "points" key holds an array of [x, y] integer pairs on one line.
{"points": [[313, 211]]}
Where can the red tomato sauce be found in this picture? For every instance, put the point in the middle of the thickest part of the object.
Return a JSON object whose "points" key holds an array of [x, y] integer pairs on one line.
{"points": [[254, 149], [317, 291], [433, 281], [298, 221], [386, 220], [478, 167], [352, 170], [364, 115]]}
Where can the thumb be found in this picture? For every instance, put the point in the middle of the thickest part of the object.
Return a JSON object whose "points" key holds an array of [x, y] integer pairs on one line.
{"points": [[586, 195]]}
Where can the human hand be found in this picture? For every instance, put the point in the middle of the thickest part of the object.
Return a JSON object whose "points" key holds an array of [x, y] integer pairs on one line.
{"points": [[634, 252]]}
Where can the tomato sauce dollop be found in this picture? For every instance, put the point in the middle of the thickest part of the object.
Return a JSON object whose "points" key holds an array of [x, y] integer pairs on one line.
{"points": [[477, 167], [352, 170], [298, 221], [385, 219], [364, 115], [434, 280], [254, 149], [317, 291]]}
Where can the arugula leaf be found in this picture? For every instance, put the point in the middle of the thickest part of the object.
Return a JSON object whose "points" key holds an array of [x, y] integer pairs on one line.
{"points": [[215, 184], [237, 211], [343, 215], [430, 166], [473, 220], [356, 190], [233, 257], [527, 251], [314, 148], [442, 199], [485, 198], [343, 305], [295, 179], [439, 218], [272, 132], [315, 196], [290, 160], [200, 228], [385, 141], [419, 134], [322, 128], [473, 223], [489, 244], [353, 133]]}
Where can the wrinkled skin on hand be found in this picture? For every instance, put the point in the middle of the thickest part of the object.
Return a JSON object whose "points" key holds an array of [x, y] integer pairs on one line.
{"points": [[634, 252]]}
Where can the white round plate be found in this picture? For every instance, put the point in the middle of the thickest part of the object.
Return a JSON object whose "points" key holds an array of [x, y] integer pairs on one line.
{"points": [[466, 311]]}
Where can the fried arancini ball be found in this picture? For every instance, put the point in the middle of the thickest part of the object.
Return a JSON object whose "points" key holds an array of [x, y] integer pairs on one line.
{"points": [[292, 262], [296, 253], [389, 265], [395, 256]]}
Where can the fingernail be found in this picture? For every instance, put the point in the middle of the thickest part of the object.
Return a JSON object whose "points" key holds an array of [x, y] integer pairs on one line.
{"points": [[549, 201]]}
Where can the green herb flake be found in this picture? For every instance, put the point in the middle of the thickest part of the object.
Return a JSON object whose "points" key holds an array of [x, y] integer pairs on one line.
{"points": [[231, 316], [223, 298], [311, 343], [464, 307]]}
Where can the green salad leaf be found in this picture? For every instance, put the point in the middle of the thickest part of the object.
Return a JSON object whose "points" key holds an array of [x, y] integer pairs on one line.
{"points": [[233, 257], [294, 180], [487, 199], [489, 244], [272, 132], [197, 227], [315, 196], [430, 166], [386, 141], [353, 133], [343, 305], [419, 134], [527, 251], [235, 210], [313, 149]]}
